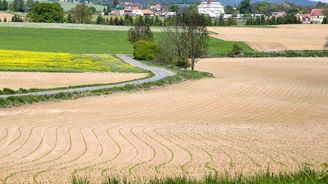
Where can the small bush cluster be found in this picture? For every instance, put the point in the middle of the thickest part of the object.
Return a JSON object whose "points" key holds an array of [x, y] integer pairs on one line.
{"points": [[145, 50]]}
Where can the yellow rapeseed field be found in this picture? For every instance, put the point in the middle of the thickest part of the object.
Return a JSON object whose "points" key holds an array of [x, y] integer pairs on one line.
{"points": [[16, 60]]}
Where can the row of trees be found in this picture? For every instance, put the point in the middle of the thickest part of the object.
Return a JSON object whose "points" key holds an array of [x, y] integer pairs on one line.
{"points": [[262, 20], [132, 21], [181, 45]]}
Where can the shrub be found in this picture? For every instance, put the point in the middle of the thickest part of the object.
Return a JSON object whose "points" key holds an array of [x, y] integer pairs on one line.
{"points": [[140, 33], [144, 50], [236, 50]]}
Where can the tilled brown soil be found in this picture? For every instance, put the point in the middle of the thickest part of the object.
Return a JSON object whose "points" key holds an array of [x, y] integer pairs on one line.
{"points": [[283, 37], [27, 80], [256, 114]]}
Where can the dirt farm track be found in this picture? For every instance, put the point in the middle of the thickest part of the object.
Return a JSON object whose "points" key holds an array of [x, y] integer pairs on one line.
{"points": [[254, 115]]}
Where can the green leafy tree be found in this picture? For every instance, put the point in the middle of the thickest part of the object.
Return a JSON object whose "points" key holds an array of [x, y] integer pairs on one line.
{"points": [[145, 50], [3, 5], [18, 6], [245, 7], [81, 14], [137, 33], [194, 32], [174, 8], [47, 12], [28, 5], [69, 18]]}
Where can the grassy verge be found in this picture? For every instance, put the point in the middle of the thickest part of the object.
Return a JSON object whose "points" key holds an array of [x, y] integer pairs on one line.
{"points": [[181, 75], [290, 53], [217, 47], [303, 176]]}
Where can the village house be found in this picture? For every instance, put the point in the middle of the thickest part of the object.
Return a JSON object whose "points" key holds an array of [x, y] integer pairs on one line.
{"points": [[305, 18], [212, 9], [148, 12], [278, 14], [6, 16], [156, 7], [317, 16]]}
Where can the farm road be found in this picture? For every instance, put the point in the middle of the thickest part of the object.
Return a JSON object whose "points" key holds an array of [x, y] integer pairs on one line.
{"points": [[159, 74]]}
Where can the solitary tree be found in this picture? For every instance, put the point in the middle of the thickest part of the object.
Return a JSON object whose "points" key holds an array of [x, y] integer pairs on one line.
{"points": [[195, 33], [47, 12], [29, 4], [81, 14], [245, 7], [18, 5]]}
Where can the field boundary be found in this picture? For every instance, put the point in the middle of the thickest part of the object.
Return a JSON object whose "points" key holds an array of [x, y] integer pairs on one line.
{"points": [[158, 74]]}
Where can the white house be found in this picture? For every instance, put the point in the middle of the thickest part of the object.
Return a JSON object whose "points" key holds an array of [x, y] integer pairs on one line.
{"points": [[212, 9]]}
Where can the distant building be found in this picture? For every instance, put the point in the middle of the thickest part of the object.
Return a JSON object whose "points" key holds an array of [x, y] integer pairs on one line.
{"points": [[212, 9], [305, 18], [278, 14], [147, 13], [156, 7], [317, 15], [6, 16]]}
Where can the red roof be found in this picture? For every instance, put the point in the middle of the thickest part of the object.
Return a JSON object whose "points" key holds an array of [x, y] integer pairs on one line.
{"points": [[147, 12], [317, 12]]}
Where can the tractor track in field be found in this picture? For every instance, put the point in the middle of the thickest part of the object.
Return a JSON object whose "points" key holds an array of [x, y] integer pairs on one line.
{"points": [[257, 114]]}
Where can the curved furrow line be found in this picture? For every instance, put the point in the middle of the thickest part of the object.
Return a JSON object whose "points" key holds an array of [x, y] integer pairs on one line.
{"points": [[136, 150], [14, 140], [157, 167], [265, 154], [100, 154], [95, 158], [26, 170], [222, 137], [146, 143], [20, 147], [6, 134], [231, 162], [115, 156], [183, 166], [35, 176], [272, 147], [208, 163], [78, 156]]}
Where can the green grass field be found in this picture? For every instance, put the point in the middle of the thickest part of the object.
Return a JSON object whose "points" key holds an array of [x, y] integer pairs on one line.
{"points": [[84, 41]]}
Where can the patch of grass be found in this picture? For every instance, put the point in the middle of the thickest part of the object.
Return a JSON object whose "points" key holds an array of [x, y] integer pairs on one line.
{"points": [[181, 75], [288, 53], [217, 47], [15, 60], [303, 176]]}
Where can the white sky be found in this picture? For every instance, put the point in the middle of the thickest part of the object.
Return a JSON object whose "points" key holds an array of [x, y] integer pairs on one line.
{"points": [[321, 0]]}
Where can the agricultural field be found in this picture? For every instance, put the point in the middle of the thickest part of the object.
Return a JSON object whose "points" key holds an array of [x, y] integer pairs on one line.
{"points": [[256, 115], [282, 37], [74, 40], [83, 69]]}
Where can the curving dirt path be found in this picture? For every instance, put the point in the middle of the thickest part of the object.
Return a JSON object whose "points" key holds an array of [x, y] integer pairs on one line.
{"points": [[256, 114]]}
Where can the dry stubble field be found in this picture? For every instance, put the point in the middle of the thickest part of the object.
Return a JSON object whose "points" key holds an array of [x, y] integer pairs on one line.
{"points": [[27, 80], [283, 37], [257, 114]]}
